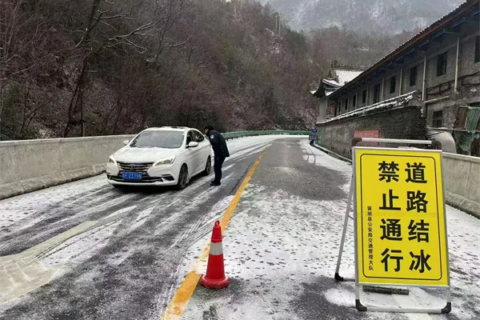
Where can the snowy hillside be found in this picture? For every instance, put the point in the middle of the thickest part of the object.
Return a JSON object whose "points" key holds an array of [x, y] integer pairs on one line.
{"points": [[392, 16]]}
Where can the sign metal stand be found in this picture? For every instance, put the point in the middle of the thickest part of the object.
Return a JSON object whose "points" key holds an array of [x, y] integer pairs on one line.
{"points": [[352, 198], [344, 233]]}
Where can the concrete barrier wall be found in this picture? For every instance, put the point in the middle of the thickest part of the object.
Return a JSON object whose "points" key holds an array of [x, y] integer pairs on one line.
{"points": [[462, 182], [31, 165]]}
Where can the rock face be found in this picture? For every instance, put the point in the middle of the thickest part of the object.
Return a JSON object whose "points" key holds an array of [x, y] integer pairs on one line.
{"points": [[362, 15]]}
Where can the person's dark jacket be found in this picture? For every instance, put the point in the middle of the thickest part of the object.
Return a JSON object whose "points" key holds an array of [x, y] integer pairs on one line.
{"points": [[219, 145]]}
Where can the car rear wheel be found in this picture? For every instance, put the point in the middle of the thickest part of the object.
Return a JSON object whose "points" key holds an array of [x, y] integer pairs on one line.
{"points": [[182, 178], [208, 167]]}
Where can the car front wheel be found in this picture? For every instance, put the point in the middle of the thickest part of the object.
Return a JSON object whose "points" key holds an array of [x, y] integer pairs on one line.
{"points": [[208, 167], [182, 178]]}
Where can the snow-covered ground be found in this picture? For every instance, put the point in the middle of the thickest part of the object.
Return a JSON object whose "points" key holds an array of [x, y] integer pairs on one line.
{"points": [[19, 210], [281, 251], [75, 231], [280, 246]]}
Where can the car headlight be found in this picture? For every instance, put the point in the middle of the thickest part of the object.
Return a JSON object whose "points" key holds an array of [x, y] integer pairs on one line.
{"points": [[164, 162], [111, 160]]}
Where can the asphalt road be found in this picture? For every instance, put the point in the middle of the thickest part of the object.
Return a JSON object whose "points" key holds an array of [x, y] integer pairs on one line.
{"points": [[126, 266], [273, 247], [281, 250], [87, 251]]}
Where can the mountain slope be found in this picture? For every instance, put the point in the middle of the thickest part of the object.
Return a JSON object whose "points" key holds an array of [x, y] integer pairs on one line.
{"points": [[362, 15], [73, 68]]}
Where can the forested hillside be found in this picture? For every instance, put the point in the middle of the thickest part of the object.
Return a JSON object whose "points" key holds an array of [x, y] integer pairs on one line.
{"points": [[99, 67]]}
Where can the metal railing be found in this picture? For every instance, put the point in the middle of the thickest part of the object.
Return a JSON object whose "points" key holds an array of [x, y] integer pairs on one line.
{"points": [[241, 134]]}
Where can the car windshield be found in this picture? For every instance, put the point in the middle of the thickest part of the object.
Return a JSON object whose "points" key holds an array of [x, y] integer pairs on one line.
{"points": [[158, 139]]}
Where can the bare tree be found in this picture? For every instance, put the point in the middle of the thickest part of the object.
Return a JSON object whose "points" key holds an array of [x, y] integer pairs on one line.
{"points": [[120, 66], [22, 38], [118, 32]]}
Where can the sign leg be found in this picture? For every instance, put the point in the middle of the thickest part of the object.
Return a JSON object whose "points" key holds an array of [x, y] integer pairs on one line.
{"points": [[358, 304], [448, 307], [345, 225]]}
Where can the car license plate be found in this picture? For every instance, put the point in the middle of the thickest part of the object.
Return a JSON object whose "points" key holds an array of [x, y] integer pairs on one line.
{"points": [[132, 175]]}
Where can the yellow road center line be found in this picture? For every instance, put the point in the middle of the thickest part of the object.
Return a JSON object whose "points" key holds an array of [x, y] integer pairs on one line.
{"points": [[178, 304]]}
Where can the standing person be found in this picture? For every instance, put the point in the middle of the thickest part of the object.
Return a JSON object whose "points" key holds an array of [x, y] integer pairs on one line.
{"points": [[220, 149]]}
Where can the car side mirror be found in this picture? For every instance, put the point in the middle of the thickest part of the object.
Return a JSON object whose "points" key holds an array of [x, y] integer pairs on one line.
{"points": [[125, 142], [192, 144]]}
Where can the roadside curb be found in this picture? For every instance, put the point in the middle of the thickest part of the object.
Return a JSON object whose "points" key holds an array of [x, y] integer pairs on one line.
{"points": [[331, 153]]}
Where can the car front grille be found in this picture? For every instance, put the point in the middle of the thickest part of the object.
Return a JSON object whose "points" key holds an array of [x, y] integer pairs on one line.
{"points": [[134, 167]]}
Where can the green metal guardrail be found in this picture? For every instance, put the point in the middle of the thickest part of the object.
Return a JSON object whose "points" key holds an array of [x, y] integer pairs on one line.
{"points": [[241, 134]]}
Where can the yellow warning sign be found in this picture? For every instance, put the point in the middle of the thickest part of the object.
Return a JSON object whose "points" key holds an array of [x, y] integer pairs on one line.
{"points": [[400, 218]]}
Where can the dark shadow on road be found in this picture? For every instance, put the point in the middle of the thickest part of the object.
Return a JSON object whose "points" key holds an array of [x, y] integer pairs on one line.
{"points": [[284, 168]]}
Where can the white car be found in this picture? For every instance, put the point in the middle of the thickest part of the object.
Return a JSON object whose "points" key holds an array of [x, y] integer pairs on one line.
{"points": [[166, 156]]}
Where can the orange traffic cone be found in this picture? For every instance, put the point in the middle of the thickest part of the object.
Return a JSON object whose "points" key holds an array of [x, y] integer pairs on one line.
{"points": [[215, 277]]}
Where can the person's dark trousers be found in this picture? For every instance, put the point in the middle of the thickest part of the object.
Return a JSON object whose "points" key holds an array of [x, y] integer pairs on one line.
{"points": [[217, 167]]}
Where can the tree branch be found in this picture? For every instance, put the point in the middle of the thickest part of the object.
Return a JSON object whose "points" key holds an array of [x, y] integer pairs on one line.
{"points": [[133, 32]]}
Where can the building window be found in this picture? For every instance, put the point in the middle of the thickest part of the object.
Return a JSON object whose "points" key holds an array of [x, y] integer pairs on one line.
{"points": [[437, 121], [477, 49], [346, 104], [354, 101], [376, 93], [364, 96], [393, 83], [442, 64], [413, 76]]}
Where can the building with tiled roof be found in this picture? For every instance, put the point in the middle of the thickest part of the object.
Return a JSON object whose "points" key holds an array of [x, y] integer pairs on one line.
{"points": [[430, 85]]}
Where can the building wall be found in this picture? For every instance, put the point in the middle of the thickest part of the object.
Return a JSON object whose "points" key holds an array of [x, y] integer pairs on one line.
{"points": [[322, 109], [466, 96], [467, 49], [447, 43], [405, 123]]}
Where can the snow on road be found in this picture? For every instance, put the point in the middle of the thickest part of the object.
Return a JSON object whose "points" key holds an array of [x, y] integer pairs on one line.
{"points": [[280, 246], [21, 211], [281, 252], [464, 254], [80, 224]]}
